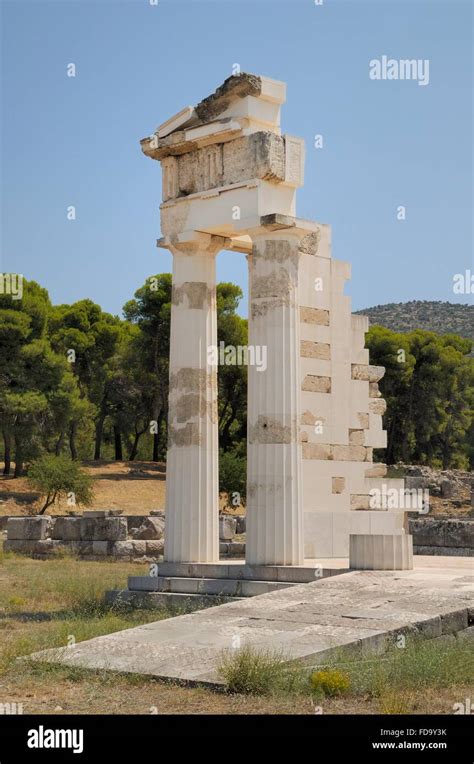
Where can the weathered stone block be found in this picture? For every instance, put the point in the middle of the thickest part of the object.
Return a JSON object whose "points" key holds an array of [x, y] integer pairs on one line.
{"points": [[67, 529], [320, 350], [27, 528], [448, 488], [19, 546], [316, 451], [154, 548], [378, 406], [139, 548], [367, 373], [453, 622], [356, 437], [123, 548], [227, 528], [103, 528], [314, 316], [374, 391], [338, 484], [152, 528], [100, 547], [363, 420], [349, 453], [315, 384], [360, 501]]}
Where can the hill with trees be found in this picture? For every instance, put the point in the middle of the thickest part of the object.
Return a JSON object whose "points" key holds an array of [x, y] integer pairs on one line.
{"points": [[439, 317]]}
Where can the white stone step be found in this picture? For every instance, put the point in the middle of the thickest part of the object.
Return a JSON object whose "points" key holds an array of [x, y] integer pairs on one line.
{"points": [[297, 574], [229, 587]]}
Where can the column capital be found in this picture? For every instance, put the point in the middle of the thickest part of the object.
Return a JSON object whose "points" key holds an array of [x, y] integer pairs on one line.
{"points": [[193, 242]]}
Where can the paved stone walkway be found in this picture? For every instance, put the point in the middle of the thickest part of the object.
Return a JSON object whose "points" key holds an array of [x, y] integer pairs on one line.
{"points": [[308, 621]]}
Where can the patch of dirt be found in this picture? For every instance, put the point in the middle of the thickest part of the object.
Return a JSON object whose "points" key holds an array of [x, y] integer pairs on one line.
{"points": [[134, 487]]}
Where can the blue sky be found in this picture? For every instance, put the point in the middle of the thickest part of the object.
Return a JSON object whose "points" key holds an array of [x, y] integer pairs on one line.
{"points": [[75, 141]]}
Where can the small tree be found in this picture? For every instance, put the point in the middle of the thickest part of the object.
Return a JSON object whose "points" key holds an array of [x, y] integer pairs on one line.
{"points": [[59, 476]]}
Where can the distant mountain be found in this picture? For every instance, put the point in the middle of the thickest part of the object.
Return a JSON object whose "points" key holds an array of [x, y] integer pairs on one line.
{"points": [[439, 317]]}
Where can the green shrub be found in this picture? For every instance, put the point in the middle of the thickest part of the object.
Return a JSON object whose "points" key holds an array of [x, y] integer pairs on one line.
{"points": [[55, 477]]}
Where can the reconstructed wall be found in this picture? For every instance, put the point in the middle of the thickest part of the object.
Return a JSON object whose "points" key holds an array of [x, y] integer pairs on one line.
{"points": [[341, 408]]}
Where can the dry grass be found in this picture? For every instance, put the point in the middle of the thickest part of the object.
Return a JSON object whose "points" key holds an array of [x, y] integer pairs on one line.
{"points": [[43, 603], [134, 487]]}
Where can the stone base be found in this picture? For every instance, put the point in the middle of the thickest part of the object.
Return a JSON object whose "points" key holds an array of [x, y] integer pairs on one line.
{"points": [[178, 602], [295, 574], [381, 552], [197, 585]]}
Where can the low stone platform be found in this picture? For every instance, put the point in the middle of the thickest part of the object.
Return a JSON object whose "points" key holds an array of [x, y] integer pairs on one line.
{"points": [[204, 581], [361, 610]]}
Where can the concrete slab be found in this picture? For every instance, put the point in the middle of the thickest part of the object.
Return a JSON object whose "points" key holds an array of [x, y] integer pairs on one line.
{"points": [[360, 609]]}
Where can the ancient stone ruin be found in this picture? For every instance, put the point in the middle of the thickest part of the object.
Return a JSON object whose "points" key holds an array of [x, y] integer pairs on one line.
{"points": [[315, 413]]}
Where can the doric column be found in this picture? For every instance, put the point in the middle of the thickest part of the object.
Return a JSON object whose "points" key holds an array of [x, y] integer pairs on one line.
{"points": [[274, 500], [192, 484]]}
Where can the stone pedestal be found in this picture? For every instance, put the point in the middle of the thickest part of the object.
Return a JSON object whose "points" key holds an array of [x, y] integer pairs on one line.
{"points": [[381, 552], [274, 506], [192, 484]]}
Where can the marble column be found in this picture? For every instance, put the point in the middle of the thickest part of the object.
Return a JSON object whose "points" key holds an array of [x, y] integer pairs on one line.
{"points": [[192, 483], [274, 492]]}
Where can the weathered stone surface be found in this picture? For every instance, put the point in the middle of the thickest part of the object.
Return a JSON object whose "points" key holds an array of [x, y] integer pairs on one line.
{"points": [[100, 548], [309, 245], [360, 501], [316, 451], [123, 548], [155, 548], [152, 528], [367, 373], [448, 488], [29, 528], [307, 417], [33, 547], [195, 295], [378, 406], [227, 527], [338, 484], [433, 532], [103, 529], [139, 548], [320, 350], [19, 546], [374, 391], [236, 86], [67, 529], [270, 430], [364, 420], [314, 316], [356, 437], [349, 453], [315, 384]]}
